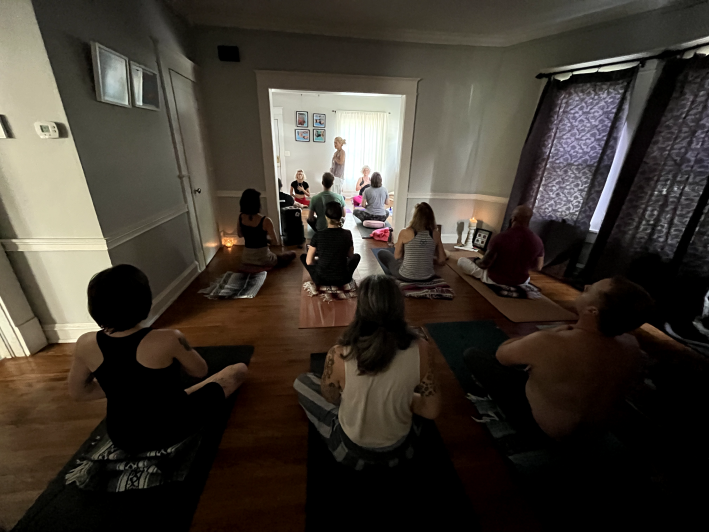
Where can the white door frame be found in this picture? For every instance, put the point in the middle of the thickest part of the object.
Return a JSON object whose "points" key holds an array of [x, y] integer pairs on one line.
{"points": [[278, 114], [170, 60], [266, 80]]}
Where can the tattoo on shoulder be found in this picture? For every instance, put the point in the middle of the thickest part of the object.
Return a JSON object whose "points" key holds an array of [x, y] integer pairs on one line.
{"points": [[329, 364], [185, 344]]}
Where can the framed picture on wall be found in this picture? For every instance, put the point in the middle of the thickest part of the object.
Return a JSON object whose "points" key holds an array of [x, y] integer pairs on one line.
{"points": [[302, 135], [110, 75], [145, 86], [481, 239], [318, 135], [301, 119], [318, 120]]}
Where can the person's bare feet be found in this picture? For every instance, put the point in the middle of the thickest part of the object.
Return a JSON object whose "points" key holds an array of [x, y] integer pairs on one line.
{"points": [[230, 378]]}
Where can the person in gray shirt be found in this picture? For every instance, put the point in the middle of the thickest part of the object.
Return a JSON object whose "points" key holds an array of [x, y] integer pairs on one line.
{"points": [[375, 201]]}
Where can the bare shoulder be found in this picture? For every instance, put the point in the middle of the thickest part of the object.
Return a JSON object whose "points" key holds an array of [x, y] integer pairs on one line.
{"points": [[85, 343], [267, 222], [406, 234], [164, 338]]}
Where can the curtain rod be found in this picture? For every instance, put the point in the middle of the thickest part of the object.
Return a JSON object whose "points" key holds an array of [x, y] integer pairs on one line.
{"points": [[665, 54]]}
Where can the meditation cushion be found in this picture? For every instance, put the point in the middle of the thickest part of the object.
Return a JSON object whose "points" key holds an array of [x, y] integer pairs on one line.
{"points": [[381, 234], [373, 224]]}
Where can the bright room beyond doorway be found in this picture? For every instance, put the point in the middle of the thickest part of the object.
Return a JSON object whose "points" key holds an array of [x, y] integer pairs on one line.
{"points": [[305, 124]]}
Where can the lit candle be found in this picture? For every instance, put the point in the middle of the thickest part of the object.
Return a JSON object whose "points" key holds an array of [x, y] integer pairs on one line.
{"points": [[473, 222], [228, 242]]}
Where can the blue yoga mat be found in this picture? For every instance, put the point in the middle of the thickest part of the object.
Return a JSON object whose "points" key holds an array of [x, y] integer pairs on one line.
{"points": [[376, 254]]}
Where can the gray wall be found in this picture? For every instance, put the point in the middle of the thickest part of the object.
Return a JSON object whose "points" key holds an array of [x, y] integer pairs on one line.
{"points": [[474, 104], [126, 153]]}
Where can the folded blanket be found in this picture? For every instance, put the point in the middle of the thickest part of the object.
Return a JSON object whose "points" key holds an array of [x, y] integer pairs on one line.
{"points": [[105, 467], [436, 288], [235, 286], [525, 291], [331, 293]]}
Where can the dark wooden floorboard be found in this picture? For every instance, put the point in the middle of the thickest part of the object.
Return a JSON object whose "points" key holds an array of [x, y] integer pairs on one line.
{"points": [[259, 476]]}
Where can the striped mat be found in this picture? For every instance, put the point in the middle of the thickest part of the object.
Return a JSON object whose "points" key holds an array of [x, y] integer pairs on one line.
{"points": [[235, 286], [436, 288]]}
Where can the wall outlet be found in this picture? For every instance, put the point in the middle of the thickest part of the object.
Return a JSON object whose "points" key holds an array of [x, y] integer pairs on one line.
{"points": [[287, 153]]}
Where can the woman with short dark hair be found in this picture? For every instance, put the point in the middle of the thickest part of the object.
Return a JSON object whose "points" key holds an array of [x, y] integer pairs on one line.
{"points": [[375, 201], [138, 368], [336, 260], [256, 231], [376, 380]]}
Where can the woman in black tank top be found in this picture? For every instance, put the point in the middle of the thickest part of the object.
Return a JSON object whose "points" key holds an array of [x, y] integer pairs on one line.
{"points": [[139, 370], [256, 230]]}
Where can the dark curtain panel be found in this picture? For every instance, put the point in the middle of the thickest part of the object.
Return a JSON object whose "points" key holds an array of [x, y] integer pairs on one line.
{"points": [[656, 229], [566, 159]]}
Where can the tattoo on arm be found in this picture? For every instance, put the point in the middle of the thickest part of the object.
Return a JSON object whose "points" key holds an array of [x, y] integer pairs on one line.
{"points": [[330, 390], [427, 387], [184, 343]]}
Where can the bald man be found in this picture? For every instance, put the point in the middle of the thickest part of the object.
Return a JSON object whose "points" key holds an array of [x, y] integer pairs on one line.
{"points": [[511, 255]]}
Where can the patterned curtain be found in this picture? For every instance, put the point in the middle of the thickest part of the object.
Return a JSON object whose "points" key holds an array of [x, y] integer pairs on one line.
{"points": [[568, 155], [657, 226]]}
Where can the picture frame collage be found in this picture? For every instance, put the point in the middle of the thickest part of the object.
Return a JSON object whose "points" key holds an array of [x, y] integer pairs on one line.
{"points": [[302, 131], [120, 81]]}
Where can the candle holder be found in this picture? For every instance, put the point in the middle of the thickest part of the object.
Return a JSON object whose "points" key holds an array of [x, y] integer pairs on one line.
{"points": [[468, 243]]}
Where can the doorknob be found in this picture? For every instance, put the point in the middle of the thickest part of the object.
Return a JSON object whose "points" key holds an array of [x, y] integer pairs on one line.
{"points": [[198, 191]]}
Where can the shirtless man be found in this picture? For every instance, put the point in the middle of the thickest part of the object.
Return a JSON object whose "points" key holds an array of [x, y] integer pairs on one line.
{"points": [[511, 255], [578, 373]]}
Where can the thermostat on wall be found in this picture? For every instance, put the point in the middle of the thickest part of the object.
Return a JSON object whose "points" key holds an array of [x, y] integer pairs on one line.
{"points": [[47, 130]]}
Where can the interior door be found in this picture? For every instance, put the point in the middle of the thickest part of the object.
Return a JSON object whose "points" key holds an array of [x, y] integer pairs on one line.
{"points": [[187, 110], [279, 147]]}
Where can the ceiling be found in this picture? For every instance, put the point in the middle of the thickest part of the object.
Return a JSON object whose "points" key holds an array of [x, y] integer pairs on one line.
{"points": [[466, 22]]}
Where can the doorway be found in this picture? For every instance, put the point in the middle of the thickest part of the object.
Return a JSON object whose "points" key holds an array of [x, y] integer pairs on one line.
{"points": [[270, 84], [179, 80]]}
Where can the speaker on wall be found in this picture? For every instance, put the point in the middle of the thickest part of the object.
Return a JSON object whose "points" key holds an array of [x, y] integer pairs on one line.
{"points": [[228, 53]]}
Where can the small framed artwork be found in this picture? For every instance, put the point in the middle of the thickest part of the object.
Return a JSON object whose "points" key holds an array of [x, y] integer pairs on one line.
{"points": [[146, 87], [301, 119], [318, 135], [302, 135], [319, 120], [481, 239], [110, 75]]}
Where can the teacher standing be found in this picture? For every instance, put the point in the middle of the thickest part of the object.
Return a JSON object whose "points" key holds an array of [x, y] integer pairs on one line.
{"points": [[337, 168]]}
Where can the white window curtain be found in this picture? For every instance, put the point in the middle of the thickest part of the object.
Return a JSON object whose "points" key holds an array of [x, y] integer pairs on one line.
{"points": [[365, 133]]}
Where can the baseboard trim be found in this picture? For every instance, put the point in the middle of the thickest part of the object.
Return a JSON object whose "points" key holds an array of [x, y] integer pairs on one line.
{"points": [[65, 333], [449, 238], [32, 335], [168, 296]]}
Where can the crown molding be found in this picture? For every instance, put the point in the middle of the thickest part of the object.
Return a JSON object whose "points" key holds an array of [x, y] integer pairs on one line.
{"points": [[562, 24]]}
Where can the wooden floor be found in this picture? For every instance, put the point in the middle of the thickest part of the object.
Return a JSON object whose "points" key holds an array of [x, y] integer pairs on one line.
{"points": [[259, 476]]}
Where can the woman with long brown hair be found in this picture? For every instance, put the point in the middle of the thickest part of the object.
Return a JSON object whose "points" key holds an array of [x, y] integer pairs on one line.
{"points": [[417, 248], [376, 379]]}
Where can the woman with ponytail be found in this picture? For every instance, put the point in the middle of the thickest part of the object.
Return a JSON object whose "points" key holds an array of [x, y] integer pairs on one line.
{"points": [[376, 382]]}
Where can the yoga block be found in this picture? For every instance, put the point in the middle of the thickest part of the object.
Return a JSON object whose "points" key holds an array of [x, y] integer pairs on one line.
{"points": [[375, 224]]}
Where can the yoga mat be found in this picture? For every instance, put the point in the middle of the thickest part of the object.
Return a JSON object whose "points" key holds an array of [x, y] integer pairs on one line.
{"points": [[366, 232], [517, 310], [62, 508], [424, 494], [376, 254], [316, 313]]}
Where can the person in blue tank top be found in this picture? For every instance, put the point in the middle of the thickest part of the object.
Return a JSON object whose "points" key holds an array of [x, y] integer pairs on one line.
{"points": [[137, 369], [418, 248]]}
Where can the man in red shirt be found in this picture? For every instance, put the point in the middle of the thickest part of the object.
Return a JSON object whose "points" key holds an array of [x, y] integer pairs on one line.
{"points": [[511, 255]]}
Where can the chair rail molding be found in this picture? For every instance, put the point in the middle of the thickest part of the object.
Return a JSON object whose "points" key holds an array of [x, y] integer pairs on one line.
{"points": [[457, 196]]}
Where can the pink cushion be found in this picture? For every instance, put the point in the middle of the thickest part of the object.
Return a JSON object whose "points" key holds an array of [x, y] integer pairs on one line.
{"points": [[376, 224], [381, 234]]}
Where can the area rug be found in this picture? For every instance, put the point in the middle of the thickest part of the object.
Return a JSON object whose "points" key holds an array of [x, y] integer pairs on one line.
{"points": [[423, 494], [516, 310], [67, 508], [235, 286], [435, 288], [366, 232]]}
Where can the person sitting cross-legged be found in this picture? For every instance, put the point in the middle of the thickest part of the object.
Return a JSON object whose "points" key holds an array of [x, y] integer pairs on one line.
{"points": [[571, 378], [375, 201], [137, 369], [418, 247], [336, 260], [377, 379], [316, 218], [511, 254]]}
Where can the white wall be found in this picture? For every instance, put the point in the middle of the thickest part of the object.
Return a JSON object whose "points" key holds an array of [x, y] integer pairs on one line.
{"points": [[315, 158], [474, 104], [45, 207]]}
